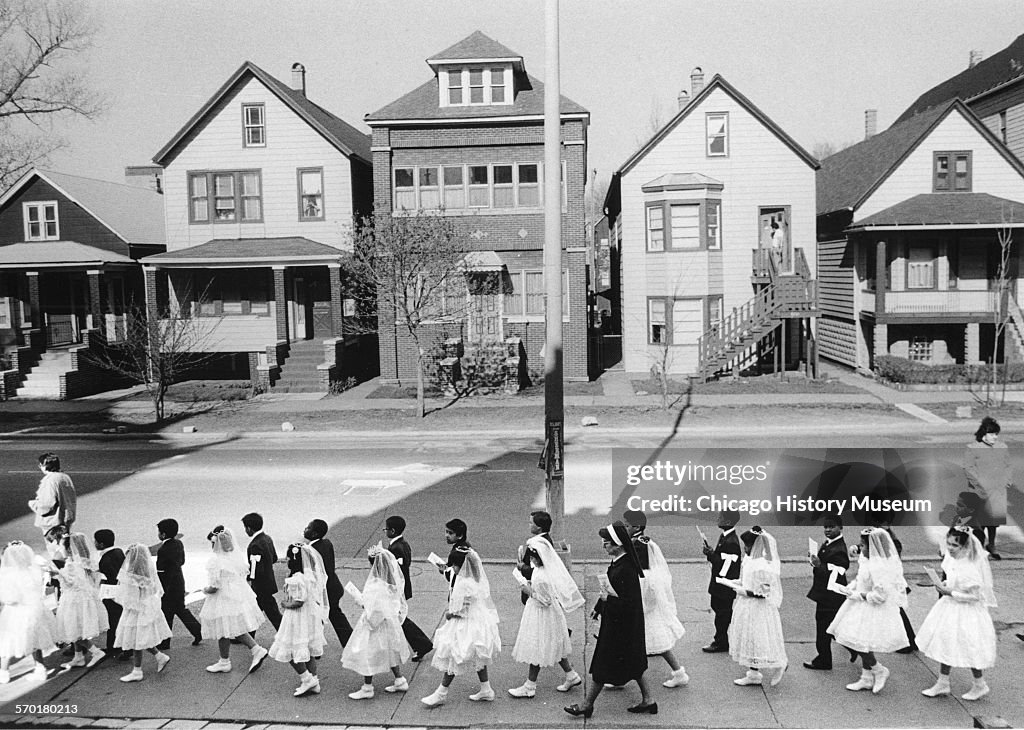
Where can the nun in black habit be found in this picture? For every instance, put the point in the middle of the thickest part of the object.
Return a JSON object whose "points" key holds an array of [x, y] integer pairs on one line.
{"points": [[621, 653]]}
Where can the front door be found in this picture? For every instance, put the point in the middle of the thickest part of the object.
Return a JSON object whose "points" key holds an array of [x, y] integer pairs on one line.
{"points": [[299, 304], [485, 318]]}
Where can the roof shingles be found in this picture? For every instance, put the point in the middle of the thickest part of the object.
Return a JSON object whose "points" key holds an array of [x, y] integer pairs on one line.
{"points": [[948, 209]]}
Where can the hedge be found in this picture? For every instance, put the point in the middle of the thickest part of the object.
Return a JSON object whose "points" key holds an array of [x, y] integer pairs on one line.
{"points": [[901, 370]]}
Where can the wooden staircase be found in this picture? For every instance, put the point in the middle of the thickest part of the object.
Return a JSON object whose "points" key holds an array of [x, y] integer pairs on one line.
{"points": [[759, 325]]}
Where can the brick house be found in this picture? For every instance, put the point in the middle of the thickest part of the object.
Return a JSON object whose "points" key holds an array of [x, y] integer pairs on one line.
{"points": [[470, 141], [69, 253], [908, 250], [713, 219], [992, 88], [261, 187]]}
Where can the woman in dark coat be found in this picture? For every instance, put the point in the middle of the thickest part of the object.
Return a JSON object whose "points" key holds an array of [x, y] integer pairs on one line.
{"points": [[621, 653]]}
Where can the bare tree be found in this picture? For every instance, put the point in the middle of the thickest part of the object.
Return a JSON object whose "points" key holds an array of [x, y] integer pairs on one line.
{"points": [[821, 150], [1001, 311], [158, 353], [412, 270], [40, 79]]}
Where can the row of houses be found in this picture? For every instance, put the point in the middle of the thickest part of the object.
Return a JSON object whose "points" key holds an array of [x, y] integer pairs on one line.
{"points": [[729, 249]]}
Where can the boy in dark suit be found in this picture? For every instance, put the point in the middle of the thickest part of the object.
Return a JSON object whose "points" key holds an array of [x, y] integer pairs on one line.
{"points": [[828, 566], [262, 557], [315, 532], [111, 560], [394, 528], [170, 557], [725, 563]]}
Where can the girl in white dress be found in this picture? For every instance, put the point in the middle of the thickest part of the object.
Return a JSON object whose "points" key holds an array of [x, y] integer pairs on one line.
{"points": [[662, 627], [468, 640], [377, 643], [755, 634], [230, 610], [26, 626], [869, 620], [142, 625], [543, 638], [81, 615], [300, 637], [958, 631]]}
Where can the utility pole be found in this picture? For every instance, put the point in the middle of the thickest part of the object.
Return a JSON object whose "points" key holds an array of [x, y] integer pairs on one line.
{"points": [[553, 459]]}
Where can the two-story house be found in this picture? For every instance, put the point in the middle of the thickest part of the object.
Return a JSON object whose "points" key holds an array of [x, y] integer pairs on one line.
{"points": [[469, 142], [909, 222], [992, 88], [261, 188], [713, 218], [69, 251]]}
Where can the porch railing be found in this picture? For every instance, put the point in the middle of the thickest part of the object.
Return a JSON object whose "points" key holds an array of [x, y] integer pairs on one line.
{"points": [[932, 301]]}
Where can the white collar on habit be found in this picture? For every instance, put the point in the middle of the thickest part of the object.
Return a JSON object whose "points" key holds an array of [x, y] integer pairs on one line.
{"points": [[396, 537], [726, 532]]}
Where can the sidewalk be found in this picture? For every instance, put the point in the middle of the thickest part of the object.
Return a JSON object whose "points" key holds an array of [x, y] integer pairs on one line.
{"points": [[185, 693]]}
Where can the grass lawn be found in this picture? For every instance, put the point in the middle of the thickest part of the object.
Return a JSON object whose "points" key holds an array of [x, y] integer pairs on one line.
{"points": [[409, 391], [194, 391], [795, 383], [978, 411]]}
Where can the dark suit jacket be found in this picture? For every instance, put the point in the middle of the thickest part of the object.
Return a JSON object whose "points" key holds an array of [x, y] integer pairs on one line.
{"points": [[170, 556], [727, 545], [110, 565], [334, 588], [403, 553], [263, 583], [834, 553]]}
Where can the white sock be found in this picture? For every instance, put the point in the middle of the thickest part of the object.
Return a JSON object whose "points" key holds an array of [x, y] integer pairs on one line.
{"points": [[253, 649], [442, 690], [485, 686], [305, 676]]}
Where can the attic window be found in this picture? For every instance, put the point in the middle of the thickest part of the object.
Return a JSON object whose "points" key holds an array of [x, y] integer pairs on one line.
{"points": [[476, 86], [41, 221], [254, 126], [952, 172], [717, 134]]}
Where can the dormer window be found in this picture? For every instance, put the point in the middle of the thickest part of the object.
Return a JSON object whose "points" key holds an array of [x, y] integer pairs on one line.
{"points": [[41, 221], [476, 85]]}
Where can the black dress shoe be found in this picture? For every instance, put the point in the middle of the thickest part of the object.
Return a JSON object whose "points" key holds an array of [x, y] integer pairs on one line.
{"points": [[648, 709], [819, 667], [577, 711], [1020, 636], [196, 640], [714, 648], [995, 556], [907, 649]]}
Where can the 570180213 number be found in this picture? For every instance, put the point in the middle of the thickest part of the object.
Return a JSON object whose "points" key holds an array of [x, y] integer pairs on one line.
{"points": [[46, 709]]}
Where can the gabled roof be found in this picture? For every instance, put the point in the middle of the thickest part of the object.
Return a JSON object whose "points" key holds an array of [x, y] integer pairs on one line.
{"points": [[947, 210], [422, 104], [58, 253], [343, 136], [717, 83], [132, 213], [986, 76], [847, 178], [249, 252], [476, 47]]}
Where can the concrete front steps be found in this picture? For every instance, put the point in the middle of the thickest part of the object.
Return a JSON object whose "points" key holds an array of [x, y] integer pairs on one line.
{"points": [[43, 381], [299, 373]]}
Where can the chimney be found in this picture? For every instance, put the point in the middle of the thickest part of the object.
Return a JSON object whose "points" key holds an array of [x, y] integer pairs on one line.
{"points": [[870, 123], [683, 99], [299, 78], [696, 81], [975, 58]]}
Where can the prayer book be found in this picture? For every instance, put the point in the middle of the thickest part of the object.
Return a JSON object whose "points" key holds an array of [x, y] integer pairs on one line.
{"points": [[703, 537], [936, 578], [812, 546], [606, 585], [357, 595], [730, 583], [435, 559], [519, 577]]}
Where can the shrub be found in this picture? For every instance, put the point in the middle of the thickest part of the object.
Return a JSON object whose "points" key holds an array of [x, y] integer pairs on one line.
{"points": [[340, 386], [901, 370], [484, 366], [5, 362]]}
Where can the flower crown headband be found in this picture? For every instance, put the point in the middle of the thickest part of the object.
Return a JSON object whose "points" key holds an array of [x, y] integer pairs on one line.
{"points": [[375, 550]]}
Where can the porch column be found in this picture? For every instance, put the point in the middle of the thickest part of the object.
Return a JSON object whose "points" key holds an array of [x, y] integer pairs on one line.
{"points": [[149, 277], [35, 319], [95, 304], [881, 339], [972, 343], [280, 303], [14, 297], [337, 313], [880, 276]]}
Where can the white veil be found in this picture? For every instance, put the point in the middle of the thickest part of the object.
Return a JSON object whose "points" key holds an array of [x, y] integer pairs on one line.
{"points": [[976, 555], [471, 584], [884, 564], [316, 577], [78, 551], [766, 563], [226, 555], [139, 570], [563, 587], [384, 590], [21, 578]]}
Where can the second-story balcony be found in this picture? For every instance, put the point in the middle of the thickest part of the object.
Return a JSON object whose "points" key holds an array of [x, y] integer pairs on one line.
{"points": [[931, 301]]}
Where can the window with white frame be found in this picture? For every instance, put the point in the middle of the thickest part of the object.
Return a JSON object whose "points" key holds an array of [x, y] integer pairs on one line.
{"points": [[656, 228], [526, 295], [236, 196], [679, 226], [657, 322], [254, 125], [430, 188], [529, 185], [715, 312], [504, 189], [479, 186], [476, 85], [311, 194], [498, 186], [41, 221], [717, 134], [685, 222], [454, 189], [713, 226], [443, 301], [675, 321]]}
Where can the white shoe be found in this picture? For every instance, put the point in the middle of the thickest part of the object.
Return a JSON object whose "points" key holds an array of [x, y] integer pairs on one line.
{"points": [[978, 690], [133, 676], [614, 686], [866, 681], [571, 680], [679, 678], [437, 697], [258, 655], [95, 656], [525, 691], [5, 676], [39, 674], [310, 685], [778, 676], [484, 695], [161, 661], [222, 665], [363, 693], [401, 685], [750, 678], [881, 675], [941, 687], [77, 661]]}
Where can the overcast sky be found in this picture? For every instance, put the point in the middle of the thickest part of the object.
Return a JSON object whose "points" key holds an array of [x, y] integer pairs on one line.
{"points": [[812, 66]]}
